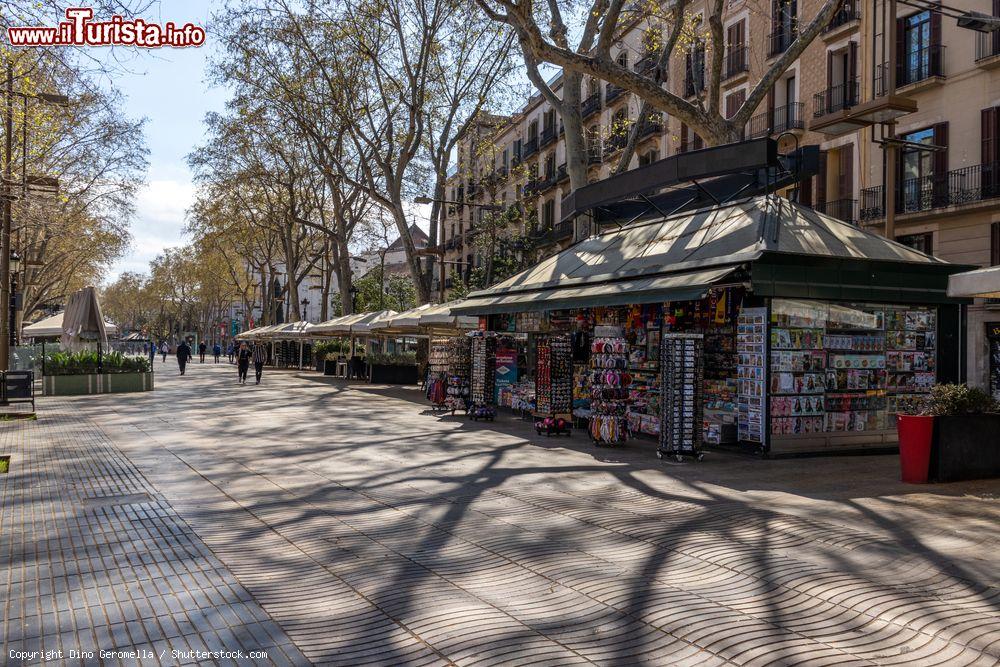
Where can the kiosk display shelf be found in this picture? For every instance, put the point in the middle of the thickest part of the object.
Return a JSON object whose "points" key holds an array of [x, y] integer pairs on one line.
{"points": [[553, 375], [682, 373], [609, 381], [483, 378], [751, 350], [459, 369]]}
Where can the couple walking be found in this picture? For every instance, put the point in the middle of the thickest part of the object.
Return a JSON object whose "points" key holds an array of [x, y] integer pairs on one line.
{"points": [[243, 357]]}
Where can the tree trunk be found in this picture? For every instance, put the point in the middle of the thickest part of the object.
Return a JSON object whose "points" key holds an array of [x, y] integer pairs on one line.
{"points": [[344, 276], [576, 148], [437, 226]]}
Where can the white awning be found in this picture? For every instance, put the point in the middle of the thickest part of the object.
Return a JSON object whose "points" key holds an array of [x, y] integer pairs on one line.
{"points": [[52, 326], [442, 317], [406, 322], [983, 283]]}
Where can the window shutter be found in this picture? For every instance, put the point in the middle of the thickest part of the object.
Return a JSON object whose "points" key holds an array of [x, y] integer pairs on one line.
{"points": [[900, 52], [805, 192], [990, 152], [996, 33], [698, 143], [851, 94], [845, 179], [684, 138], [821, 181], [940, 194], [934, 56], [770, 109], [995, 244]]}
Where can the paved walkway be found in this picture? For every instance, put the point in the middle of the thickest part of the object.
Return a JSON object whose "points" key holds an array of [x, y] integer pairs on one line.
{"points": [[339, 524]]}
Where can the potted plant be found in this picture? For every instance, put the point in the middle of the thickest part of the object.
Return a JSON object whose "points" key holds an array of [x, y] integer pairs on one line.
{"points": [[394, 368], [966, 441]]}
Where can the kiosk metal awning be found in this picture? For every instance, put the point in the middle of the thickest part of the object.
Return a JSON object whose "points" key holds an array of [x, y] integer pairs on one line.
{"points": [[776, 247], [650, 289]]}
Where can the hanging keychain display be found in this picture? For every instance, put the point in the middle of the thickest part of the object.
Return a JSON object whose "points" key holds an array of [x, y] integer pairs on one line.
{"points": [[483, 380], [682, 377], [609, 383]]}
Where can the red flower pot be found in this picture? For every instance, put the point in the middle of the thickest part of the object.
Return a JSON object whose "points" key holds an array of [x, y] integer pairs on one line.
{"points": [[915, 435]]}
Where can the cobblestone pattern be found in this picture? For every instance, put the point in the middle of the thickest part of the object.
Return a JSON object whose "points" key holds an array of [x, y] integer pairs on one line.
{"points": [[94, 559], [386, 545]]}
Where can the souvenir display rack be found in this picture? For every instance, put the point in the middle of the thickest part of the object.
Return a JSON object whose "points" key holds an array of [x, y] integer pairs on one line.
{"points": [[643, 415], [581, 391], [751, 371], [483, 378], [459, 370], [553, 376], [682, 371], [911, 356], [609, 381], [438, 360]]}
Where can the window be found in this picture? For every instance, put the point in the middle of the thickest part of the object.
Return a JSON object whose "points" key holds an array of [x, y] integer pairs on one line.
{"points": [[921, 242], [623, 58], [548, 214], [734, 101], [923, 173], [916, 44], [533, 130], [649, 157]]}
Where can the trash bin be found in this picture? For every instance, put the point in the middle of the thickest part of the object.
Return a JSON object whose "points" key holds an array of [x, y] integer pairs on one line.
{"points": [[915, 435]]}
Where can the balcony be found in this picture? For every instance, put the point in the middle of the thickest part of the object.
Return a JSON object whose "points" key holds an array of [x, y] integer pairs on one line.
{"points": [[694, 82], [612, 93], [562, 173], [646, 66], [782, 119], [988, 49], [532, 187], [562, 230], [836, 98], [958, 187], [615, 143], [591, 105], [779, 41], [736, 62], [547, 182], [848, 14], [547, 137], [650, 126], [918, 70], [842, 209], [594, 154], [529, 148]]}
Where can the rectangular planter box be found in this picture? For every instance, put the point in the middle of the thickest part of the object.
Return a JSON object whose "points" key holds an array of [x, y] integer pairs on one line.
{"points": [[394, 374], [965, 447], [107, 383]]}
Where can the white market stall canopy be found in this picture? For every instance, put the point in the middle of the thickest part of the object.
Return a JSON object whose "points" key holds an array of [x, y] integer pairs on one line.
{"points": [[52, 326], [289, 331], [404, 323], [984, 283], [364, 326], [256, 333], [442, 317]]}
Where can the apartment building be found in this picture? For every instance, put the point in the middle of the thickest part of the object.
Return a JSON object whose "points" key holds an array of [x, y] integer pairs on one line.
{"points": [[948, 198]]}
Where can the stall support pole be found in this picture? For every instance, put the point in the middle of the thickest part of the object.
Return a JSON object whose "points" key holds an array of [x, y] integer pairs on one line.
{"points": [[300, 355]]}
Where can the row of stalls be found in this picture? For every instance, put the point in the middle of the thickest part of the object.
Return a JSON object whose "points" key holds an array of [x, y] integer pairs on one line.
{"points": [[760, 325]]}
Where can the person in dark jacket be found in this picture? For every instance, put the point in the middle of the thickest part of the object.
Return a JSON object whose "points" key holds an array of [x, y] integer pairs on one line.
{"points": [[216, 352], [183, 355], [259, 359], [201, 350], [243, 357]]}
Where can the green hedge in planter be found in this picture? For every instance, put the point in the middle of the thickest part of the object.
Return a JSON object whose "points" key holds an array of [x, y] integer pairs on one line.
{"points": [[84, 362], [966, 442], [407, 359]]}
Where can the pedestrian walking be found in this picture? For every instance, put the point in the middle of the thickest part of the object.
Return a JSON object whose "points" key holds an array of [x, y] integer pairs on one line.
{"points": [[164, 348], [243, 356], [259, 359], [201, 350], [152, 354], [183, 355], [217, 352], [231, 350]]}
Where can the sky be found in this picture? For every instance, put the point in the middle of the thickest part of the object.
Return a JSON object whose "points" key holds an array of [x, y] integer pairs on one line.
{"points": [[168, 88]]}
